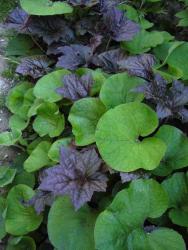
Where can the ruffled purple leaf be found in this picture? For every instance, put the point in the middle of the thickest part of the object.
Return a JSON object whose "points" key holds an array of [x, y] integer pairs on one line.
{"points": [[78, 175], [106, 5], [110, 60], [140, 65], [17, 20], [51, 29], [74, 87], [34, 66], [119, 26], [74, 56]]}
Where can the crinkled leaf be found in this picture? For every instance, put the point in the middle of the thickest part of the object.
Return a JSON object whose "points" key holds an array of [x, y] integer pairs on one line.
{"points": [[74, 56], [84, 116], [124, 218], [117, 89], [109, 60], [119, 26], [75, 88], [51, 29], [45, 7], [20, 220], [76, 229], [140, 65], [45, 87], [38, 158], [54, 152], [176, 156], [117, 138], [34, 66], [49, 121], [78, 175], [7, 175], [177, 188]]}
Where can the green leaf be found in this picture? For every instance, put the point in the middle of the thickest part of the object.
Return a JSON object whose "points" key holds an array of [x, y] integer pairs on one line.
{"points": [[118, 89], [76, 228], [84, 116], [45, 7], [7, 175], [54, 152], [46, 86], [49, 121], [21, 243], [176, 156], [183, 15], [38, 158], [2, 220], [177, 188], [9, 138], [145, 40], [21, 219], [120, 226], [117, 138], [20, 99], [17, 123]]}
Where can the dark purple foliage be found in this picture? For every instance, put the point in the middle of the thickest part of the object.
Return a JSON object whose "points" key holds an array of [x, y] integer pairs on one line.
{"points": [[74, 56], [34, 66], [40, 200], [119, 26], [110, 60], [87, 3], [140, 65], [78, 175], [105, 5], [51, 29], [74, 87], [17, 20], [127, 177]]}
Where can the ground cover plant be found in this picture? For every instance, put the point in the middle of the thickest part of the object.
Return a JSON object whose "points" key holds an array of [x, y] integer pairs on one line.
{"points": [[99, 120]]}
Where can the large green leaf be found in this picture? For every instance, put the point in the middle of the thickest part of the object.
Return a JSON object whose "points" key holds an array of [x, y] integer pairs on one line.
{"points": [[177, 188], [21, 219], [18, 123], [2, 220], [117, 138], [176, 156], [20, 99], [118, 89], [7, 175], [49, 121], [84, 116], [46, 87], [54, 152], [145, 40], [45, 7], [68, 229], [38, 158], [120, 226], [9, 138], [21, 243]]}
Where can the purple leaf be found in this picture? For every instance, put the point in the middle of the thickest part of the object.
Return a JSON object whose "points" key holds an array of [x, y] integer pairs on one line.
{"points": [[105, 5], [87, 3], [74, 56], [75, 88], [109, 60], [17, 20], [34, 66], [40, 200], [78, 175], [127, 177], [119, 26], [51, 29], [140, 65], [95, 41]]}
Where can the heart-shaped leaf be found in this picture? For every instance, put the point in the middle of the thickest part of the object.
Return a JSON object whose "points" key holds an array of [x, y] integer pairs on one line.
{"points": [[176, 156], [46, 87], [118, 89], [120, 226], [117, 138], [84, 116], [177, 188], [76, 228], [21, 219], [45, 7]]}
